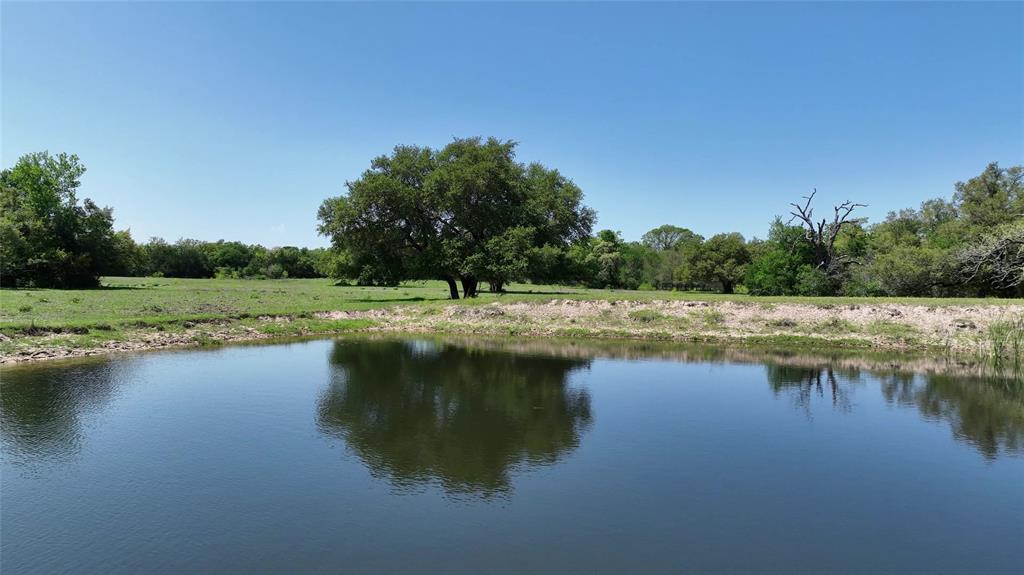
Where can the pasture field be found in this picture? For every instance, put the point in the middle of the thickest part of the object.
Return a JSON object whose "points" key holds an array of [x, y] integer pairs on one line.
{"points": [[139, 313], [167, 300]]}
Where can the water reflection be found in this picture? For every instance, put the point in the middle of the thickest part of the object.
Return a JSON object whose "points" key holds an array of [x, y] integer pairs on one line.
{"points": [[42, 408], [468, 413], [418, 412], [987, 413], [803, 383]]}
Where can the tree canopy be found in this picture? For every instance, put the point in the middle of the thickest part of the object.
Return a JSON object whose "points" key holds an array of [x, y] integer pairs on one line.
{"points": [[466, 213], [48, 238]]}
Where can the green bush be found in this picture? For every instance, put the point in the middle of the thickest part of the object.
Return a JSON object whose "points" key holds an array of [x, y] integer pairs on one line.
{"points": [[774, 273], [275, 271], [811, 281], [913, 271]]}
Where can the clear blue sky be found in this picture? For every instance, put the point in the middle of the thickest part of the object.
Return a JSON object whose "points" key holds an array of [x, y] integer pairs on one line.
{"points": [[212, 120]]}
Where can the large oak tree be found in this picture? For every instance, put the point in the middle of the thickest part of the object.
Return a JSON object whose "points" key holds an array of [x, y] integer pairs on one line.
{"points": [[466, 213]]}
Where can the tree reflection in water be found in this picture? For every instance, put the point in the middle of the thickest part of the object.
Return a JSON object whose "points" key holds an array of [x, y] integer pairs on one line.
{"points": [[42, 407], [987, 413], [418, 412], [803, 383]]}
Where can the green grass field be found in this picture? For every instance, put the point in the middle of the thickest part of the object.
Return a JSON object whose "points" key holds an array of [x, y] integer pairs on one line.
{"points": [[155, 301]]}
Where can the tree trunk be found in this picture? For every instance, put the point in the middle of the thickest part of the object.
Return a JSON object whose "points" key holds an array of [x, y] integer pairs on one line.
{"points": [[726, 287], [453, 288], [496, 286], [469, 287]]}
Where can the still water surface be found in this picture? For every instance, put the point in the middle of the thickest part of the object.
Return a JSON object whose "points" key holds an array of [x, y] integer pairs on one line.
{"points": [[405, 455]]}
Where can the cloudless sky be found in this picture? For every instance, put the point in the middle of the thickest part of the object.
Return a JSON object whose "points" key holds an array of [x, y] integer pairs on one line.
{"points": [[231, 120]]}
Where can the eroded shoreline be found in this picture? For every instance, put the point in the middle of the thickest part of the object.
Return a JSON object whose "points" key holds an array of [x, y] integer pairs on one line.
{"points": [[963, 330]]}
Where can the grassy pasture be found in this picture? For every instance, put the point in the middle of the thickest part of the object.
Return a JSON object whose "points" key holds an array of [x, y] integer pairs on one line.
{"points": [[154, 301], [144, 311]]}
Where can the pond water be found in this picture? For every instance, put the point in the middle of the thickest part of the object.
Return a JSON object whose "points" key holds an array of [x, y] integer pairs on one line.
{"points": [[408, 455]]}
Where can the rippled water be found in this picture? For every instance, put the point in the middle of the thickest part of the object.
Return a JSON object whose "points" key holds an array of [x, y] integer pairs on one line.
{"points": [[406, 455]]}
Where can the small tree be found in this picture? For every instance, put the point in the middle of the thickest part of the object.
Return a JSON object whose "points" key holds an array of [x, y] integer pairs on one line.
{"points": [[723, 260], [669, 249]]}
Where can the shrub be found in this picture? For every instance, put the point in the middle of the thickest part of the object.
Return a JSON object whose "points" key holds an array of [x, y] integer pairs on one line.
{"points": [[713, 318], [774, 273], [227, 273], [860, 283], [275, 271], [811, 281], [912, 271]]}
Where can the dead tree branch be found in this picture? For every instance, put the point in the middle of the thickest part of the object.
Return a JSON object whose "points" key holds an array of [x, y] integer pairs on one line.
{"points": [[822, 234], [997, 259]]}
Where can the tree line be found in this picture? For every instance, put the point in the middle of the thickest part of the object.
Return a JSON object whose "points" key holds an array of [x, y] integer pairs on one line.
{"points": [[49, 238], [189, 258], [470, 214]]}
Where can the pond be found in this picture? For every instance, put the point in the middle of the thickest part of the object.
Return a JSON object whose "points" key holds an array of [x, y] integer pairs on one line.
{"points": [[457, 456]]}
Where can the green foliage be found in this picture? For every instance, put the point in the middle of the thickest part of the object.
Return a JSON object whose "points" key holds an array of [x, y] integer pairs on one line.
{"points": [[812, 281], [971, 245], [668, 237], [48, 238], [993, 198], [861, 282], [230, 255], [184, 259], [468, 212], [189, 258], [1006, 339], [912, 271], [667, 251], [780, 265], [722, 260], [774, 272]]}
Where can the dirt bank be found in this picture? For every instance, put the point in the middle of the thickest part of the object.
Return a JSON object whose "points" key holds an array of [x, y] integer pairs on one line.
{"points": [[891, 326], [948, 329]]}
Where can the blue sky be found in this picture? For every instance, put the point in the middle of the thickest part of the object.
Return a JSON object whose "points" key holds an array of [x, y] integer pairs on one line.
{"points": [[231, 120]]}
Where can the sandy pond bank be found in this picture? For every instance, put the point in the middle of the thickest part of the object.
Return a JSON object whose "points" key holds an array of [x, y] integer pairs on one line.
{"points": [[951, 329]]}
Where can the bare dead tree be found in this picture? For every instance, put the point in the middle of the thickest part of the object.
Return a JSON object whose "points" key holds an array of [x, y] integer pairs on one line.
{"points": [[822, 234]]}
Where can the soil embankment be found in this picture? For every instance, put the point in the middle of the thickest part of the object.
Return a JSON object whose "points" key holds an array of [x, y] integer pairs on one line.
{"points": [[980, 329]]}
